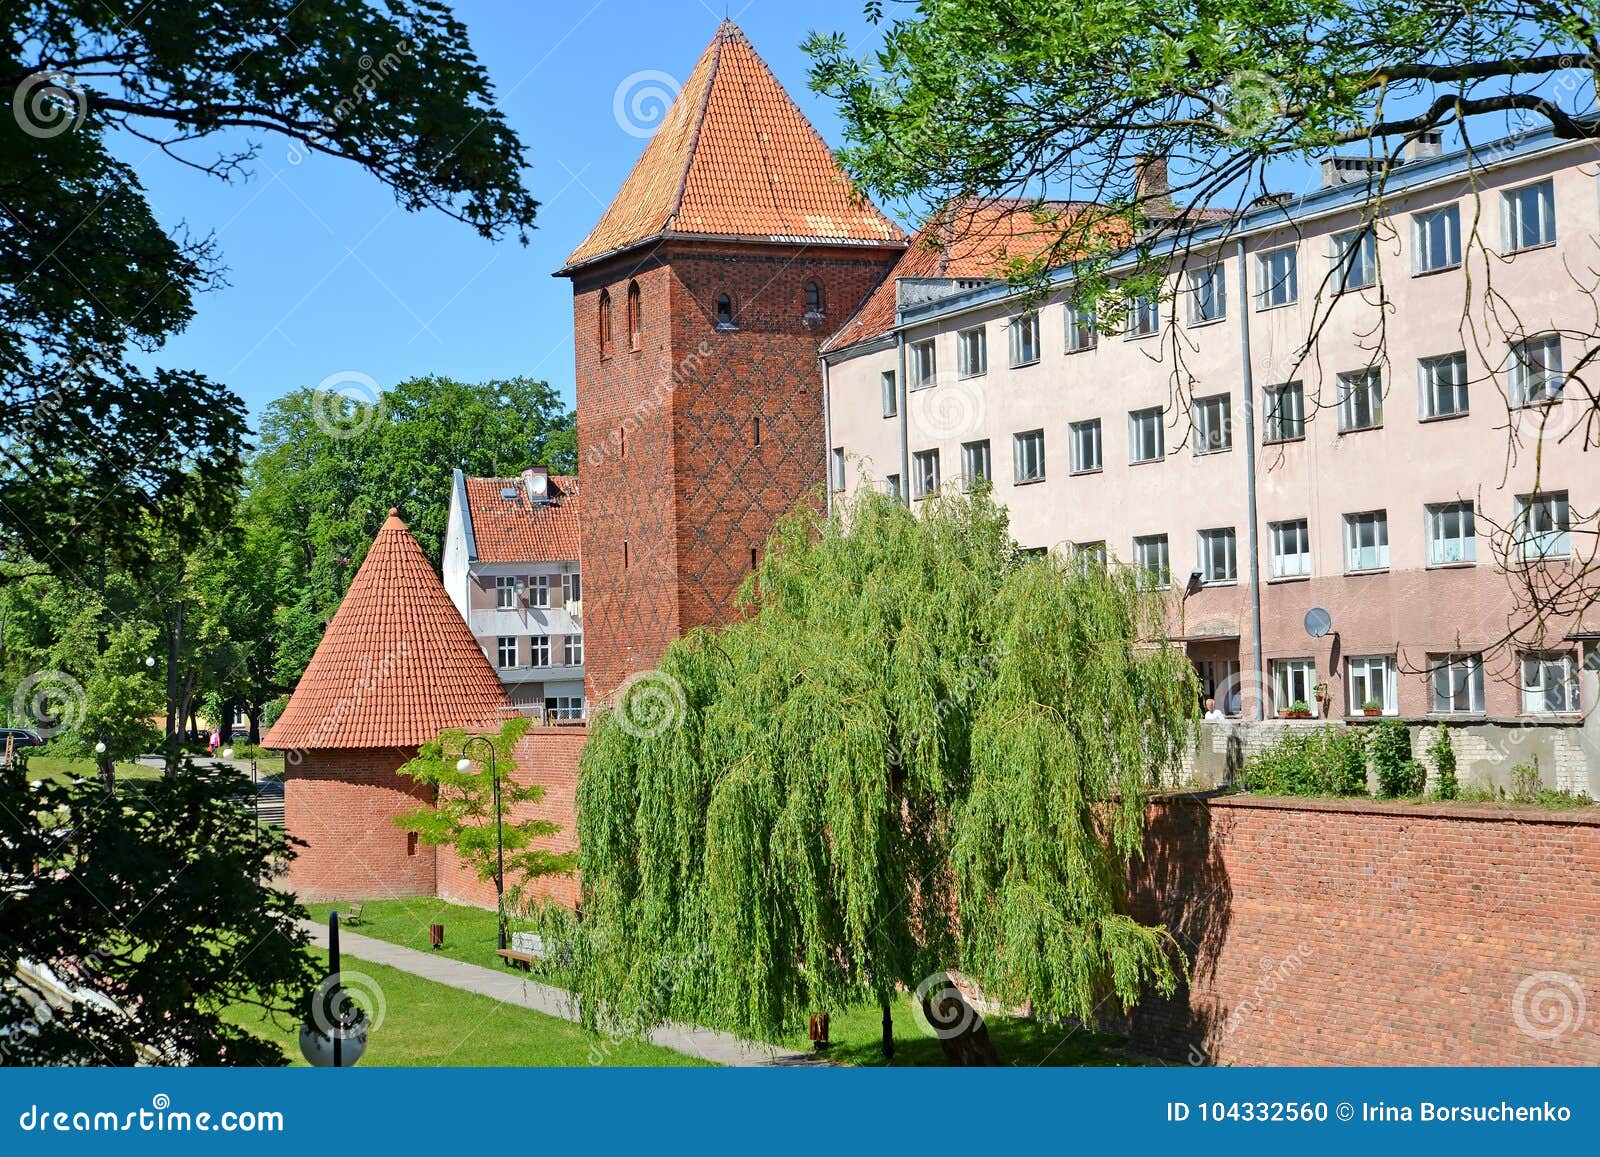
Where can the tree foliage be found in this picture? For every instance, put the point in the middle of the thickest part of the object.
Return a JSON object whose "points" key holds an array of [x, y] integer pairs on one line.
{"points": [[154, 911], [919, 751]]}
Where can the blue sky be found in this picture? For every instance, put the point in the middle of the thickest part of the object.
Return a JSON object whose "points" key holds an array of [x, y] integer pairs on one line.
{"points": [[328, 276]]}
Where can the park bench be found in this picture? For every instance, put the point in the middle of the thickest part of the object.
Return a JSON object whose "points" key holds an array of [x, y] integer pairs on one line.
{"points": [[353, 916], [516, 959]]}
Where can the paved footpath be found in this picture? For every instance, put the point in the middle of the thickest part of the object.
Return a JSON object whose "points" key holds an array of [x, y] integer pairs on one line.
{"points": [[515, 987]]}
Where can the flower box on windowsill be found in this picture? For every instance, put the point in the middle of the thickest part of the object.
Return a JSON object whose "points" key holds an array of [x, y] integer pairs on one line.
{"points": [[1303, 713]]}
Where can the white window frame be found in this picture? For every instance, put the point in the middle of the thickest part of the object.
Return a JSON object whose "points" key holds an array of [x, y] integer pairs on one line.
{"points": [[1214, 544], [1208, 294], [1294, 681], [972, 352], [572, 650], [1211, 418], [1276, 426], [1515, 205], [1355, 259], [1155, 417], [1024, 340], [505, 593], [1083, 330], [1286, 562], [538, 650], [539, 590], [1424, 257], [1440, 378], [891, 486], [1366, 524], [571, 588], [1552, 537], [1027, 456], [923, 357], [1144, 317], [976, 463], [1355, 387], [924, 474], [1091, 552], [564, 708], [1152, 554], [1452, 533], [1277, 289], [1362, 672], [1542, 697], [1455, 678], [1536, 377], [891, 394], [838, 468], [1085, 435], [505, 647]]}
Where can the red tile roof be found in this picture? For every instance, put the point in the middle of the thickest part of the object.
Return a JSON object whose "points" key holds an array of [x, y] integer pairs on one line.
{"points": [[397, 664], [735, 157], [514, 529]]}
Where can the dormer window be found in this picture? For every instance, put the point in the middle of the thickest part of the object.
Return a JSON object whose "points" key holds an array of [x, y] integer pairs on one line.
{"points": [[724, 312], [603, 326], [813, 299], [635, 321]]}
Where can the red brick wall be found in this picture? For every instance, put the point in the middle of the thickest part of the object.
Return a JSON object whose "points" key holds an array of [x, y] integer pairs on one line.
{"points": [[341, 803], [692, 494], [1365, 933], [547, 756]]}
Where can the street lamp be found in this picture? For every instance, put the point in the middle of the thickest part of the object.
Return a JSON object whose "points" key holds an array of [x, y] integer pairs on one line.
{"points": [[464, 765]]}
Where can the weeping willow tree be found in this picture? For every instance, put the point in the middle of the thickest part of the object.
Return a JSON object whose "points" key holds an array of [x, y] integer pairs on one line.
{"points": [[920, 751]]}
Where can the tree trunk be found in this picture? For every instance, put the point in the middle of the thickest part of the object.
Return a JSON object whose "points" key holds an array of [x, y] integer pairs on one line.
{"points": [[962, 1034], [888, 1032], [108, 774], [174, 706]]}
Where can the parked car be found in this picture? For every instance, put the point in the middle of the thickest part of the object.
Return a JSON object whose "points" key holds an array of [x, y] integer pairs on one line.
{"points": [[20, 737]]}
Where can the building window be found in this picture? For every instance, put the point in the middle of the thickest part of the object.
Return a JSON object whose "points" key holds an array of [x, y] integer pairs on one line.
{"points": [[975, 463], [603, 324], [1452, 534], [1437, 239], [1144, 317], [571, 588], [924, 473], [505, 592], [972, 352], [1293, 681], [1444, 385], [1355, 260], [1543, 527], [838, 467], [1028, 456], [1529, 216], [891, 486], [564, 708], [1549, 684], [1208, 295], [1536, 370], [1213, 424], [572, 650], [1291, 548], [1219, 556], [1093, 554], [1360, 400], [924, 366], [753, 558], [1024, 339], [1372, 680], [724, 311], [1082, 333], [538, 650], [1457, 683], [755, 430], [539, 590], [625, 561], [635, 316], [1286, 412], [1366, 541], [1151, 556], [1277, 275], [1146, 437], [814, 300], [506, 651], [891, 395], [1085, 439]]}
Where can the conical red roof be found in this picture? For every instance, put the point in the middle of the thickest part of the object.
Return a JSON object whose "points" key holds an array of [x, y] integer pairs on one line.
{"points": [[396, 666], [735, 157]]}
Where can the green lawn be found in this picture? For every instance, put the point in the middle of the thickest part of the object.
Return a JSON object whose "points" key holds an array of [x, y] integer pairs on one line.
{"points": [[64, 770], [469, 934], [424, 1023]]}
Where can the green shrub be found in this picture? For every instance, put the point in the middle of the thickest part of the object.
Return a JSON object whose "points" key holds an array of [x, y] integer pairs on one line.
{"points": [[1347, 748], [1446, 786], [1525, 781], [270, 710], [1398, 774], [1325, 761]]}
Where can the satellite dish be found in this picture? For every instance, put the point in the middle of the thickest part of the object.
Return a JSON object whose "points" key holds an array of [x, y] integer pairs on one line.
{"points": [[1318, 622], [539, 484]]}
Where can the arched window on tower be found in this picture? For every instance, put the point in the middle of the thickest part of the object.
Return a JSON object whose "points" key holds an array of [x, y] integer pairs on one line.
{"points": [[635, 322], [603, 326], [814, 307], [724, 312]]}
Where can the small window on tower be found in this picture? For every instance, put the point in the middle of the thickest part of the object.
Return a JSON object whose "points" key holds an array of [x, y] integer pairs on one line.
{"points": [[624, 554], [813, 299], [752, 558], [604, 324], [756, 430], [724, 312], [635, 322]]}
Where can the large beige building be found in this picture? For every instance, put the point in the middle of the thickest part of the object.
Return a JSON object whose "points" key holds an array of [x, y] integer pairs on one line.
{"points": [[1384, 420]]}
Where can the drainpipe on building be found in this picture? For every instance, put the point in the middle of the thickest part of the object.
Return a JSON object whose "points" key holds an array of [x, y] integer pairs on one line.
{"points": [[1248, 386], [904, 419], [827, 436]]}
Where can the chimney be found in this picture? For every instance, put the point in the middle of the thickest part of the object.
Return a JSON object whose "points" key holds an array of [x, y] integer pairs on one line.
{"points": [[1151, 187], [537, 480], [1349, 170], [1425, 145]]}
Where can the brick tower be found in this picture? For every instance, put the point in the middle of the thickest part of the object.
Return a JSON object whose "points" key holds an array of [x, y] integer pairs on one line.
{"points": [[732, 251]]}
